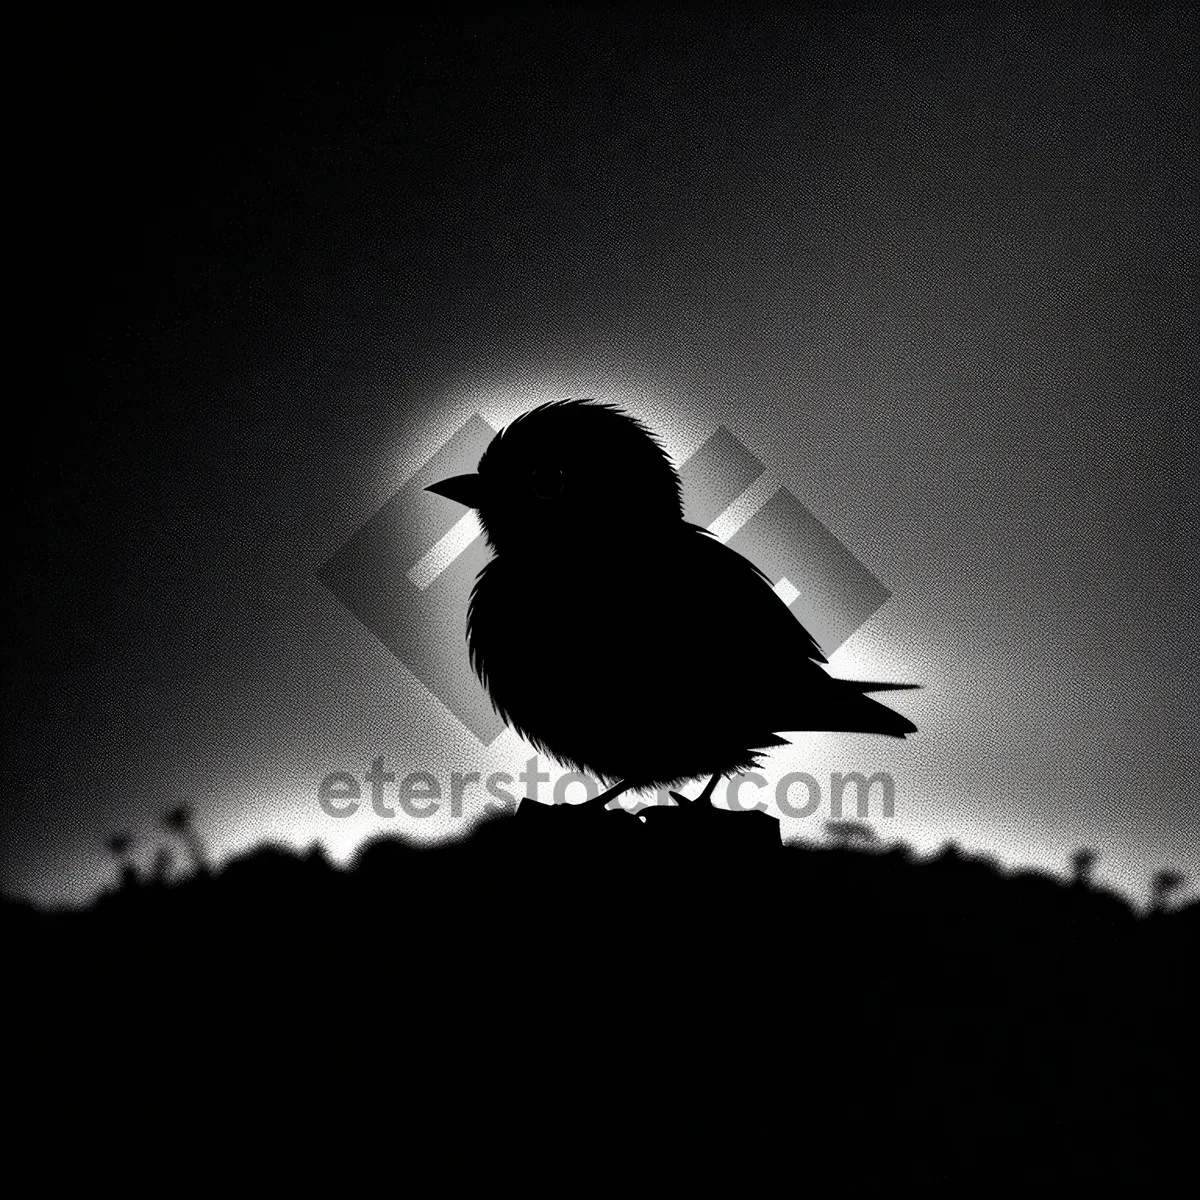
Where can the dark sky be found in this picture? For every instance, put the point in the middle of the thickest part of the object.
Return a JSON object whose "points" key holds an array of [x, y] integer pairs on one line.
{"points": [[939, 274]]}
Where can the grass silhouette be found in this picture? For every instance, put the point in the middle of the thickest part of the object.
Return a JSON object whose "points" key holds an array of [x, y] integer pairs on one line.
{"points": [[574, 1002]]}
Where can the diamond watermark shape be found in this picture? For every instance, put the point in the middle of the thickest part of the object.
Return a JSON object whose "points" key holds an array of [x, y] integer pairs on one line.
{"points": [[407, 573]]}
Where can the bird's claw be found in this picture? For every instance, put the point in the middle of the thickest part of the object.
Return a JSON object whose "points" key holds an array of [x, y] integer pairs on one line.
{"points": [[686, 801], [605, 802]]}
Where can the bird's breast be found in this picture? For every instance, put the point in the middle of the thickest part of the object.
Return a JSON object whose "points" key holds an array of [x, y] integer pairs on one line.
{"points": [[567, 634]]}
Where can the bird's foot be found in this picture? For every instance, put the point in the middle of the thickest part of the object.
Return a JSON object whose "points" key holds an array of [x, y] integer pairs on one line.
{"points": [[597, 804], [601, 802], [703, 800]]}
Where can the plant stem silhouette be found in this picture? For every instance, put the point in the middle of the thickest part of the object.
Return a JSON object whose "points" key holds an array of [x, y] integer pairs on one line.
{"points": [[1161, 887], [120, 846], [179, 822], [1082, 863]]}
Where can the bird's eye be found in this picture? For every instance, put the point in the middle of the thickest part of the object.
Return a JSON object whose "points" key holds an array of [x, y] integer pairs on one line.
{"points": [[547, 482]]}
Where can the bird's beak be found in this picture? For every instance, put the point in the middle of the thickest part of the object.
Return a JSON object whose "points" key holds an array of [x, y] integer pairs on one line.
{"points": [[463, 489]]}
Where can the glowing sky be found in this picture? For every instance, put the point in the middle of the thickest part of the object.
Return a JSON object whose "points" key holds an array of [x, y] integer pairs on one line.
{"points": [[942, 286]]}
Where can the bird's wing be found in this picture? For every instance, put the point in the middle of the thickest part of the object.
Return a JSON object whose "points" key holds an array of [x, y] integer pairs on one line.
{"points": [[749, 650], [744, 620], [715, 627]]}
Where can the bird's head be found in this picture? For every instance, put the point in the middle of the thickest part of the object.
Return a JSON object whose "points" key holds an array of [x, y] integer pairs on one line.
{"points": [[572, 473]]}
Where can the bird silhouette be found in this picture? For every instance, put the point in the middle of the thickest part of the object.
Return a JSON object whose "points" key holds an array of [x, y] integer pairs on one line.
{"points": [[618, 638]]}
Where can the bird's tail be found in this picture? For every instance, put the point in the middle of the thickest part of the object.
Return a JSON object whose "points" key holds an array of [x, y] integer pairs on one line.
{"points": [[869, 716]]}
